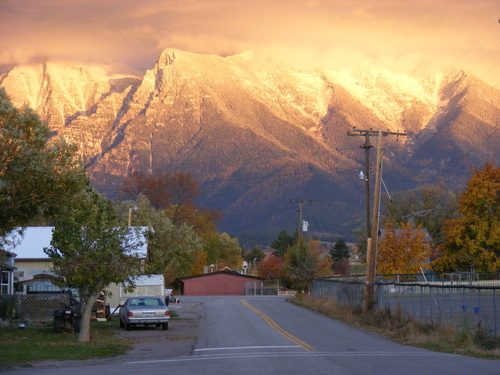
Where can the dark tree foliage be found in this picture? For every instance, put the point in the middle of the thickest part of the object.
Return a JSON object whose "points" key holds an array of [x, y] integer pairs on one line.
{"points": [[340, 250], [255, 254], [174, 193], [37, 175], [340, 257], [282, 243]]}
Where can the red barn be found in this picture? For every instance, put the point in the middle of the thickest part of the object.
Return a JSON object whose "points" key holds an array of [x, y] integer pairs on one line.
{"points": [[221, 283]]}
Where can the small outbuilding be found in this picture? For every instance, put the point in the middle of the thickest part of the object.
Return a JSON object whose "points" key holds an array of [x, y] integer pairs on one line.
{"points": [[221, 283]]}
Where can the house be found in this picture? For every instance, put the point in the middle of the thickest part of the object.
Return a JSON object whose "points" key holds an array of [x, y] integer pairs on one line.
{"points": [[220, 283], [7, 270], [34, 267], [31, 262]]}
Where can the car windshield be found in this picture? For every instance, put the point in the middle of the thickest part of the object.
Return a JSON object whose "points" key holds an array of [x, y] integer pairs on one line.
{"points": [[146, 302]]}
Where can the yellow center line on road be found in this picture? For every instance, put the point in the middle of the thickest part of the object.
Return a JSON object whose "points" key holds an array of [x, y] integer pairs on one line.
{"points": [[278, 329]]}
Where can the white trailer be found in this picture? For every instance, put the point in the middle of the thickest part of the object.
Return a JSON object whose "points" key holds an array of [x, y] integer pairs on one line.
{"points": [[145, 285]]}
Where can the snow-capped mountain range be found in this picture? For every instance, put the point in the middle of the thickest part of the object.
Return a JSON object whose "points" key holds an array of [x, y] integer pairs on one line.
{"points": [[256, 136]]}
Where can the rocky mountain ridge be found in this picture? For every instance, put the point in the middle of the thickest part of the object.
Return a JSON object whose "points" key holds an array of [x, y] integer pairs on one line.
{"points": [[257, 136]]}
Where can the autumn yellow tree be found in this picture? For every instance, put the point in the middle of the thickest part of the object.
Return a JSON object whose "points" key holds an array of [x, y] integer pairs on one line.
{"points": [[473, 239], [403, 250]]}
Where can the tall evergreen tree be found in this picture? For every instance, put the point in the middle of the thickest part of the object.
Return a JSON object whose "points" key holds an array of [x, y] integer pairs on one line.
{"points": [[340, 257], [281, 244]]}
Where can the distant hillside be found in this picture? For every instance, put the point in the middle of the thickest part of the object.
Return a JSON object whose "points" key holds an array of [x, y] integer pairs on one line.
{"points": [[257, 136]]}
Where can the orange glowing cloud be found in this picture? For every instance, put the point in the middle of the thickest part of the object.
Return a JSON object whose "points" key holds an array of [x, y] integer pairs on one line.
{"points": [[411, 36]]}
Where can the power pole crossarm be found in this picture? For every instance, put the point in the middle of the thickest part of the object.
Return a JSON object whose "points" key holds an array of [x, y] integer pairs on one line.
{"points": [[358, 132]]}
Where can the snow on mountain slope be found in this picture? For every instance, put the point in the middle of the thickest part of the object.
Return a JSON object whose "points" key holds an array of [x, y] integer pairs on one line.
{"points": [[391, 95], [58, 91]]}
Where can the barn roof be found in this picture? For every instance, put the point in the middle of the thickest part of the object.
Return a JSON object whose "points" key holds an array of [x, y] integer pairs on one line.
{"points": [[231, 273]]}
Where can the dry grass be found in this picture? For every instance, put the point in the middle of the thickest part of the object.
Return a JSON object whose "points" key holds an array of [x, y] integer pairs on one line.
{"points": [[410, 332]]}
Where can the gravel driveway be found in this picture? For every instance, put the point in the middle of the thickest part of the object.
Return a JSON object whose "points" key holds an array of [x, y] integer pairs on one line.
{"points": [[177, 341], [153, 343]]}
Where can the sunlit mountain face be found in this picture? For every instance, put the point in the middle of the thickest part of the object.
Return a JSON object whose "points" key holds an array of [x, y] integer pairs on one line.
{"points": [[257, 136]]}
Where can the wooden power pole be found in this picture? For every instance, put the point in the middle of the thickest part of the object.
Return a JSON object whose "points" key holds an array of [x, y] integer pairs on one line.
{"points": [[372, 230], [301, 203]]}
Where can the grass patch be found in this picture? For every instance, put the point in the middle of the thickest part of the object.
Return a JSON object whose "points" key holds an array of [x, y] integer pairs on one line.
{"points": [[407, 331], [19, 346]]}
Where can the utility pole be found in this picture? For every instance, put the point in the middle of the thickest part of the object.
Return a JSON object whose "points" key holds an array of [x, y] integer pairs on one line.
{"points": [[367, 146], [372, 228], [301, 203]]}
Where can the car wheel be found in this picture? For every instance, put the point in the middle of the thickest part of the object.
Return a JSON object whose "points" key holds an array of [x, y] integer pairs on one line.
{"points": [[164, 326], [121, 324], [128, 327]]}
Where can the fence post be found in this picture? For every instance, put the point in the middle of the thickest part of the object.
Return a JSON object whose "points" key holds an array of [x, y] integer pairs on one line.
{"points": [[495, 332], [430, 302]]}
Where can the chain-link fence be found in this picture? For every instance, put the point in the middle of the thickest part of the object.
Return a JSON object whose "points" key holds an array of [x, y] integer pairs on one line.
{"points": [[34, 309], [463, 306], [262, 288]]}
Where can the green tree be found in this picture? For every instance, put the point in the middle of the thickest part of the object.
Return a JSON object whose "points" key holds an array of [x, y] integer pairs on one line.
{"points": [[281, 244], [360, 234], [223, 250], [37, 176], [473, 239], [91, 251], [340, 257], [173, 251], [255, 254], [303, 262]]}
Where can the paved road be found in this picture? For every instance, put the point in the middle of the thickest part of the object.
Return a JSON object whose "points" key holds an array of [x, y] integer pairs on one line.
{"points": [[267, 335]]}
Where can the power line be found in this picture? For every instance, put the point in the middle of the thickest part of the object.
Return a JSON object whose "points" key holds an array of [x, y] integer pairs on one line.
{"points": [[473, 44]]}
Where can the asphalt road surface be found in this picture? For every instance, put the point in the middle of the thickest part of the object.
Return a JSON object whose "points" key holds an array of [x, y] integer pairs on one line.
{"points": [[265, 335]]}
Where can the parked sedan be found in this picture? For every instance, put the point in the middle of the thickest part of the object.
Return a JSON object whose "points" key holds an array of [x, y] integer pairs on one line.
{"points": [[144, 311]]}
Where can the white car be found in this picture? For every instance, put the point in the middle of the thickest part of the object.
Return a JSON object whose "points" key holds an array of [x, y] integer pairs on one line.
{"points": [[144, 310]]}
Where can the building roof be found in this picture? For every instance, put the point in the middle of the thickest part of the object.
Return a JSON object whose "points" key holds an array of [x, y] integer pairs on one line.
{"points": [[32, 241], [231, 273]]}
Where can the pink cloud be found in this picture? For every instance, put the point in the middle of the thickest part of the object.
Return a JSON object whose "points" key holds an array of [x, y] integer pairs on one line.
{"points": [[331, 34]]}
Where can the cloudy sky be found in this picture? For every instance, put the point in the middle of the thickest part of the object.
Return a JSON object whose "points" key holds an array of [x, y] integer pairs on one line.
{"points": [[416, 36]]}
